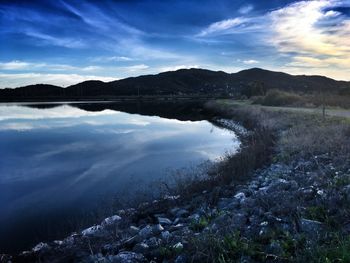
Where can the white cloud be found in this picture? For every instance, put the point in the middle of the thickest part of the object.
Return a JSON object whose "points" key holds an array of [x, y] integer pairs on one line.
{"points": [[91, 68], [177, 67], [22, 79], [14, 113], [318, 38], [246, 9], [13, 65], [312, 34], [134, 68], [250, 62]]}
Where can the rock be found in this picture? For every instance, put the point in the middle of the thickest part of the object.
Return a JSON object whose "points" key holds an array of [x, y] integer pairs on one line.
{"points": [[92, 231], [132, 240], [265, 233], [240, 196], [153, 242], [134, 230], [171, 197], [182, 213], [176, 227], [164, 221], [110, 248], [146, 232], [346, 191], [121, 212], [5, 258], [128, 257], [223, 203], [265, 223], [57, 242], [98, 258], [194, 217], [110, 220], [321, 192], [176, 221], [264, 189], [178, 246], [307, 194], [279, 185], [181, 259], [234, 204], [311, 227], [40, 247], [165, 235], [141, 248], [68, 240], [157, 229], [275, 248]]}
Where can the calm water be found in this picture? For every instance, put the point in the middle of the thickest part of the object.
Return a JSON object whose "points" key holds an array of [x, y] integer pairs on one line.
{"points": [[63, 161]]}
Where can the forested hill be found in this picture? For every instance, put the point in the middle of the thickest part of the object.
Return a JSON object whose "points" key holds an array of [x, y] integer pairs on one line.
{"points": [[249, 82]]}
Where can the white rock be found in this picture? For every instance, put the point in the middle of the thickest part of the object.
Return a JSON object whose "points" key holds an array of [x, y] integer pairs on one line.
{"points": [[178, 245], [68, 240], [128, 257], [40, 246], [91, 230], [156, 229], [111, 220], [165, 235], [146, 232], [240, 196], [320, 192], [171, 197], [164, 221], [58, 242]]}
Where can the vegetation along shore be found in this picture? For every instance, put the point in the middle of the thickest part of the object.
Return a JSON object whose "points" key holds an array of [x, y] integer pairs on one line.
{"points": [[284, 197]]}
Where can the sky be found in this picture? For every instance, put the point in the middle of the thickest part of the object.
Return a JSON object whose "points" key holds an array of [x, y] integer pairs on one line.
{"points": [[63, 42]]}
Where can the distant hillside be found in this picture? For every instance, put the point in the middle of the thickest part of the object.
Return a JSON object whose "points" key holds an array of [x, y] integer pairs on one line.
{"points": [[183, 82]]}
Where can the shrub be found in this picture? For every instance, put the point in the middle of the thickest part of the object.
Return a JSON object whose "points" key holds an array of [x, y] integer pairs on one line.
{"points": [[280, 98]]}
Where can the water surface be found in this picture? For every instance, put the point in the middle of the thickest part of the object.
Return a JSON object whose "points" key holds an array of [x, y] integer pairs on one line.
{"points": [[58, 161]]}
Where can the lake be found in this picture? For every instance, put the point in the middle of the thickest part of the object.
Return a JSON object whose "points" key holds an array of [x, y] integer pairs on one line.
{"points": [[62, 163]]}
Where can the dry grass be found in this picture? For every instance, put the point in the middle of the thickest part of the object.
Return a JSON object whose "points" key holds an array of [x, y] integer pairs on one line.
{"points": [[297, 136], [256, 151], [331, 100]]}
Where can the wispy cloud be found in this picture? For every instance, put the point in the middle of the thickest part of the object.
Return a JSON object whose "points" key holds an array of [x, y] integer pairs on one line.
{"points": [[17, 65], [112, 59], [221, 27], [61, 41], [100, 20]]}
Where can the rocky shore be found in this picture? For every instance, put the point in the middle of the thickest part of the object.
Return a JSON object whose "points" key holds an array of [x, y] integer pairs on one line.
{"points": [[286, 211]]}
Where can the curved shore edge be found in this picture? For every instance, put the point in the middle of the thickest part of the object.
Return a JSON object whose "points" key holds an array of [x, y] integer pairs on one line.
{"points": [[281, 198]]}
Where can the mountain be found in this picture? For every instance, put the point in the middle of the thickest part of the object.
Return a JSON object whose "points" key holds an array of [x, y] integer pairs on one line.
{"points": [[284, 81], [249, 82], [31, 91]]}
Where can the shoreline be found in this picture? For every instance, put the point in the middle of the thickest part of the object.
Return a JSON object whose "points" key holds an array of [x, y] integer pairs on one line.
{"points": [[264, 210]]}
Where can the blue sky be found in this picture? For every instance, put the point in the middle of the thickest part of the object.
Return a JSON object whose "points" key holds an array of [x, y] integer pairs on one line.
{"points": [[63, 42]]}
